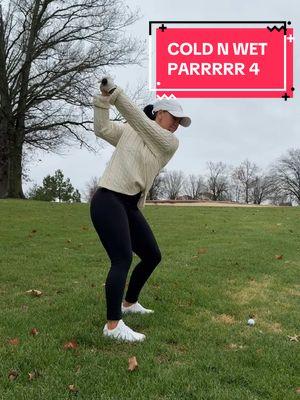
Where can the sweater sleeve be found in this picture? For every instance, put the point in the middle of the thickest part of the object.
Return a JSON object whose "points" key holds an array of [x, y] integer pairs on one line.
{"points": [[103, 127], [156, 138]]}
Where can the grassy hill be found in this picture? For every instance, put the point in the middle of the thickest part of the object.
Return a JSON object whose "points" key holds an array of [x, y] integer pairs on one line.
{"points": [[219, 266]]}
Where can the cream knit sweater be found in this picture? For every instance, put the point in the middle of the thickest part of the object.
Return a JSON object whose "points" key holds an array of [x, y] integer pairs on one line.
{"points": [[143, 148]]}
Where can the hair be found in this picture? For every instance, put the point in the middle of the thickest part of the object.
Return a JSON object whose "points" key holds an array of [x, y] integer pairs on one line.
{"points": [[148, 110]]}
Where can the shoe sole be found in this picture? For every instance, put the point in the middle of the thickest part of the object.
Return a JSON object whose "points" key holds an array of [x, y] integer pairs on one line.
{"points": [[124, 340], [136, 312]]}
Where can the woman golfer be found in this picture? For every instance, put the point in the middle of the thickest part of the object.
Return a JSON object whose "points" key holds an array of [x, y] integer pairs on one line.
{"points": [[144, 145]]}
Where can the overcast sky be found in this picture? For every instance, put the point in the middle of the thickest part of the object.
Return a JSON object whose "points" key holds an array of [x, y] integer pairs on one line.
{"points": [[228, 130]]}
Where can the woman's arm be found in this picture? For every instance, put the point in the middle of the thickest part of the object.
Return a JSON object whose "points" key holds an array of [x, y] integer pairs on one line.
{"points": [[103, 127], [158, 139]]}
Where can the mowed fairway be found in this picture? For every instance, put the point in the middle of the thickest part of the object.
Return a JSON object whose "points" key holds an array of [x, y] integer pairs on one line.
{"points": [[219, 266]]}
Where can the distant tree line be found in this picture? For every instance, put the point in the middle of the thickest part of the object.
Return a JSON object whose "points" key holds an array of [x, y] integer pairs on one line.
{"points": [[246, 183]]}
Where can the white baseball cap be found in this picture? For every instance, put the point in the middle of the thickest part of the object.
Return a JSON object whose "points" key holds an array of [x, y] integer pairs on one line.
{"points": [[174, 108]]}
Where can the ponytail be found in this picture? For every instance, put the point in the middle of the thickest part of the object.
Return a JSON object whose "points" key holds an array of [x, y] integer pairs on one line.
{"points": [[148, 110]]}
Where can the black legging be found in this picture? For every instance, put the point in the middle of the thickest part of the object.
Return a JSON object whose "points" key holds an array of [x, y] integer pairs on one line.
{"points": [[122, 228]]}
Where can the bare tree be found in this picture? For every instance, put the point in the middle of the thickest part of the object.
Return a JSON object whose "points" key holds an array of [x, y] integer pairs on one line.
{"points": [[140, 95], [173, 183], [236, 189], [51, 55], [194, 186], [287, 174], [279, 197], [157, 189], [245, 173], [90, 188], [262, 188], [217, 181]]}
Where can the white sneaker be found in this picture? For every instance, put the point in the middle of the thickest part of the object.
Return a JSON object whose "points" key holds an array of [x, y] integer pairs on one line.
{"points": [[123, 332], [136, 308]]}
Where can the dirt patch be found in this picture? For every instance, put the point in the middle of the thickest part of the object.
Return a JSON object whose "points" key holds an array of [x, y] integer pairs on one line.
{"points": [[294, 292], [224, 319], [272, 327], [253, 290]]}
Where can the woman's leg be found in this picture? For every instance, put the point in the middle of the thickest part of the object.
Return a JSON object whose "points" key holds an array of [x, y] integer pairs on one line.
{"points": [[110, 220], [145, 246]]}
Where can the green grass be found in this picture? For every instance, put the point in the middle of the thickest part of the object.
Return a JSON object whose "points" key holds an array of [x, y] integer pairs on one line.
{"points": [[198, 345]]}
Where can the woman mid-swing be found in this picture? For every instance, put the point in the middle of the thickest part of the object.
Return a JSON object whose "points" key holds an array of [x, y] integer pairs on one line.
{"points": [[144, 145]]}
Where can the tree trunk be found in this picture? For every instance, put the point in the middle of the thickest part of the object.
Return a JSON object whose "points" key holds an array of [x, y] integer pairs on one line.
{"points": [[3, 159], [11, 164], [247, 194], [15, 166], [15, 174]]}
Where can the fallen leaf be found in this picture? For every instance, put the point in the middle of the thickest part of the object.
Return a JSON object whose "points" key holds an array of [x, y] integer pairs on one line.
{"points": [[34, 332], [132, 363], [73, 389], [12, 375], [78, 368], [33, 375], [293, 338], [202, 250], [71, 345], [280, 257], [234, 346], [14, 341], [34, 292]]}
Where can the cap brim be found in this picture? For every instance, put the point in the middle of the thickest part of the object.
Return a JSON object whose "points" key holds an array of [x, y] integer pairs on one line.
{"points": [[185, 121]]}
